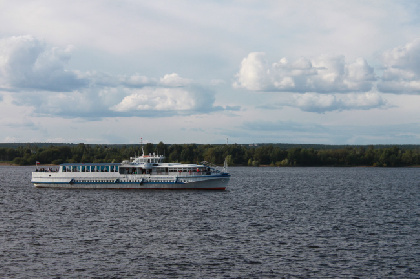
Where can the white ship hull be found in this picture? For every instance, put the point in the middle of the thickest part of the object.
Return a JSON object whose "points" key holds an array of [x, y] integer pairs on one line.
{"points": [[116, 181]]}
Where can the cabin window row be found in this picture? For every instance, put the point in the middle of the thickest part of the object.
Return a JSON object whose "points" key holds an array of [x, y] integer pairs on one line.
{"points": [[95, 181], [187, 170], [90, 169], [134, 171]]}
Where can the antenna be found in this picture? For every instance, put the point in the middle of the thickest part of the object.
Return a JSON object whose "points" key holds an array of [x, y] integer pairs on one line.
{"points": [[141, 144]]}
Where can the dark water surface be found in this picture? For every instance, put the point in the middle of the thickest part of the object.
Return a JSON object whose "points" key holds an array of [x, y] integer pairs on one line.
{"points": [[271, 223]]}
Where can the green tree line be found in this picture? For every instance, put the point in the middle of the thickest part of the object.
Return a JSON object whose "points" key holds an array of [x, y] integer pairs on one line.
{"points": [[235, 154]]}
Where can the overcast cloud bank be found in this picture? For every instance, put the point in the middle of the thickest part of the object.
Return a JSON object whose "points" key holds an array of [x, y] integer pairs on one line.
{"points": [[104, 71]]}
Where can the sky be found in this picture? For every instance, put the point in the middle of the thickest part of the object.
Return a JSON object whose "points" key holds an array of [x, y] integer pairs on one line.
{"points": [[305, 72]]}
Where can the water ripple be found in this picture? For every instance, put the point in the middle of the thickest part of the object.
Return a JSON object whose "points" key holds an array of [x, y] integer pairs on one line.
{"points": [[271, 223]]}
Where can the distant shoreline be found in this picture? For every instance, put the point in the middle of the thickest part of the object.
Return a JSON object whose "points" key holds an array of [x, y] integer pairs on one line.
{"points": [[16, 165], [5, 164]]}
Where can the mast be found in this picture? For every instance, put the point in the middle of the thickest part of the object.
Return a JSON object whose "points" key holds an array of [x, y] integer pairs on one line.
{"points": [[141, 144]]}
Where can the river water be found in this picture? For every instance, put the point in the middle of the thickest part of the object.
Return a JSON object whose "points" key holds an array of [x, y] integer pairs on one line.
{"points": [[271, 223]]}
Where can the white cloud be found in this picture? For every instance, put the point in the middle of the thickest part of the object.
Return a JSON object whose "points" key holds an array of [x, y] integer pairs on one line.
{"points": [[402, 70], [136, 81], [324, 74], [26, 63], [117, 99], [167, 99], [316, 102], [84, 104], [174, 80], [313, 102], [96, 103], [254, 73]]}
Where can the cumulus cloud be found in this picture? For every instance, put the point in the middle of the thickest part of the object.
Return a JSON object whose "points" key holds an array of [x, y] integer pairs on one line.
{"points": [[333, 74], [254, 73], [402, 69], [313, 102], [330, 83], [26, 63], [324, 74], [167, 99], [174, 80]]}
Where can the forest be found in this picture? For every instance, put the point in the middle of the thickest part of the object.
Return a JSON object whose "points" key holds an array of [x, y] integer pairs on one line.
{"points": [[235, 154]]}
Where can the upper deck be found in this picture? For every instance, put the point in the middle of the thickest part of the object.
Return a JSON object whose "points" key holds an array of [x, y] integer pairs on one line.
{"points": [[146, 159], [89, 167]]}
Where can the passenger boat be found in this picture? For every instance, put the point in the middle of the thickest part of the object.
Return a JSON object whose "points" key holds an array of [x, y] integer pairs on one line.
{"points": [[142, 172]]}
